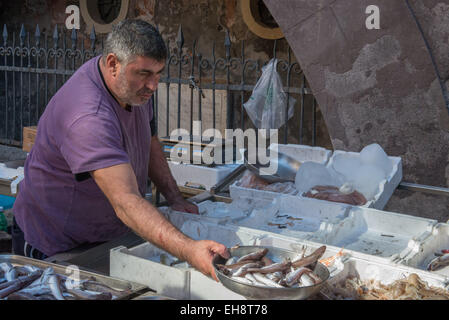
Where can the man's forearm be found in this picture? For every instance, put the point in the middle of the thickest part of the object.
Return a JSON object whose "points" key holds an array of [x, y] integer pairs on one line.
{"points": [[160, 173], [139, 215]]}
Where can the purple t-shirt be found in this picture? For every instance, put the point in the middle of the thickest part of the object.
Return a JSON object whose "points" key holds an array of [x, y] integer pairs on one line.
{"points": [[82, 129]]}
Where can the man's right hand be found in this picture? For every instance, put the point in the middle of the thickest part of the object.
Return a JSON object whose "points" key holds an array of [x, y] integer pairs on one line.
{"points": [[201, 253]]}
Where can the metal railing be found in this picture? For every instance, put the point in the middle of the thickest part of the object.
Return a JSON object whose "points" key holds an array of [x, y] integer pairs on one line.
{"points": [[33, 67]]}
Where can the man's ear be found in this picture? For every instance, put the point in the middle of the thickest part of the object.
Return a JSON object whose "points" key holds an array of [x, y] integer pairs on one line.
{"points": [[112, 64]]}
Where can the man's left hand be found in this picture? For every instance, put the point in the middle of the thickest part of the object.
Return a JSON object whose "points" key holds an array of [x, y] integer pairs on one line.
{"points": [[184, 206]]}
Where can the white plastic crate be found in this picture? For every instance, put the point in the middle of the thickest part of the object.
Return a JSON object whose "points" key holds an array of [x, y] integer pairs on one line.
{"points": [[301, 153], [386, 273], [199, 175], [378, 233], [142, 263], [386, 187], [385, 191], [301, 218], [423, 251]]}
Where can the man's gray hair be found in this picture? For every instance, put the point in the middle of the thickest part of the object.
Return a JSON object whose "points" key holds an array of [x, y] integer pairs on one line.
{"points": [[134, 37]]}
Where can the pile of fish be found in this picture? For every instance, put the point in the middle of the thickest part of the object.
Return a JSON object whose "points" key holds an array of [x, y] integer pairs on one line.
{"points": [[410, 288], [259, 270], [31, 283]]}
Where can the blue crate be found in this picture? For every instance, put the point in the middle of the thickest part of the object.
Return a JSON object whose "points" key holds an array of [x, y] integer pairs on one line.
{"points": [[6, 202]]}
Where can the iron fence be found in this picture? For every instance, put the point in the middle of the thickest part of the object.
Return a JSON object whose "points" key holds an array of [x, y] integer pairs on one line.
{"points": [[33, 67]]}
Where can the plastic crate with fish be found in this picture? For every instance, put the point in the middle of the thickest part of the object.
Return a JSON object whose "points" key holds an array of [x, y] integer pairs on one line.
{"points": [[365, 279], [173, 278], [355, 275], [297, 217], [300, 153], [370, 172], [432, 253], [23, 278]]}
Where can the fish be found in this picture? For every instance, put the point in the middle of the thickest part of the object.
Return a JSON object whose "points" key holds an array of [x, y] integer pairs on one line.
{"points": [[275, 276], [244, 269], [250, 277], [53, 283], [18, 284], [21, 296], [5, 266], [307, 280], [294, 276], [242, 280], [280, 266], [11, 274], [311, 259], [231, 261], [235, 265], [266, 261], [259, 254], [83, 295], [96, 286], [264, 280], [438, 262]]}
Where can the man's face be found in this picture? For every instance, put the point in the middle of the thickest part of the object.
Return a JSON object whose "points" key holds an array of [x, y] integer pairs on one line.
{"points": [[138, 80]]}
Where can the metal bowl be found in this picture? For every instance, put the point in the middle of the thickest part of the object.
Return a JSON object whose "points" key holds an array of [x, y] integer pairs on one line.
{"points": [[267, 293], [286, 167]]}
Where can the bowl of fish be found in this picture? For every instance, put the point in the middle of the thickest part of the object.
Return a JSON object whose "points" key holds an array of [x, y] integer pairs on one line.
{"points": [[272, 273]]}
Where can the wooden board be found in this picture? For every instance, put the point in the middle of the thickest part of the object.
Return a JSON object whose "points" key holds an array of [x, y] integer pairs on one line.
{"points": [[206, 108], [29, 136]]}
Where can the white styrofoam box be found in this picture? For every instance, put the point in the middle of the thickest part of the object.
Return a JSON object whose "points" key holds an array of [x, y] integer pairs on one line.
{"points": [[236, 192], [299, 152], [423, 252], [386, 187], [377, 233], [294, 216], [141, 263], [221, 212], [168, 281], [386, 273], [202, 175], [303, 153], [13, 175]]}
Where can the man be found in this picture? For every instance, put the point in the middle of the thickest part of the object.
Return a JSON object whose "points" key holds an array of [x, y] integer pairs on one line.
{"points": [[86, 174]]}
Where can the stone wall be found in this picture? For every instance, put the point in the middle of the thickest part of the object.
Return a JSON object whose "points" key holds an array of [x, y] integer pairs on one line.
{"points": [[379, 85]]}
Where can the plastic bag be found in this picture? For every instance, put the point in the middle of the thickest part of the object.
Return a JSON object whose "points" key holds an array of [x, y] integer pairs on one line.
{"points": [[267, 105]]}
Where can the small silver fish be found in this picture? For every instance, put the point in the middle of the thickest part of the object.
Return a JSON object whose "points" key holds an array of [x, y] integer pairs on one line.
{"points": [[264, 280], [259, 254], [230, 261], [280, 266], [242, 280], [294, 276], [306, 280], [244, 269]]}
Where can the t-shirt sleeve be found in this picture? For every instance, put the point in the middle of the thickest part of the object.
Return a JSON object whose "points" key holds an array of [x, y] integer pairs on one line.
{"points": [[91, 143]]}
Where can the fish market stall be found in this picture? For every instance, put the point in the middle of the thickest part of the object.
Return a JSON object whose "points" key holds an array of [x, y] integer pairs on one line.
{"points": [[366, 179], [176, 279], [23, 278]]}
